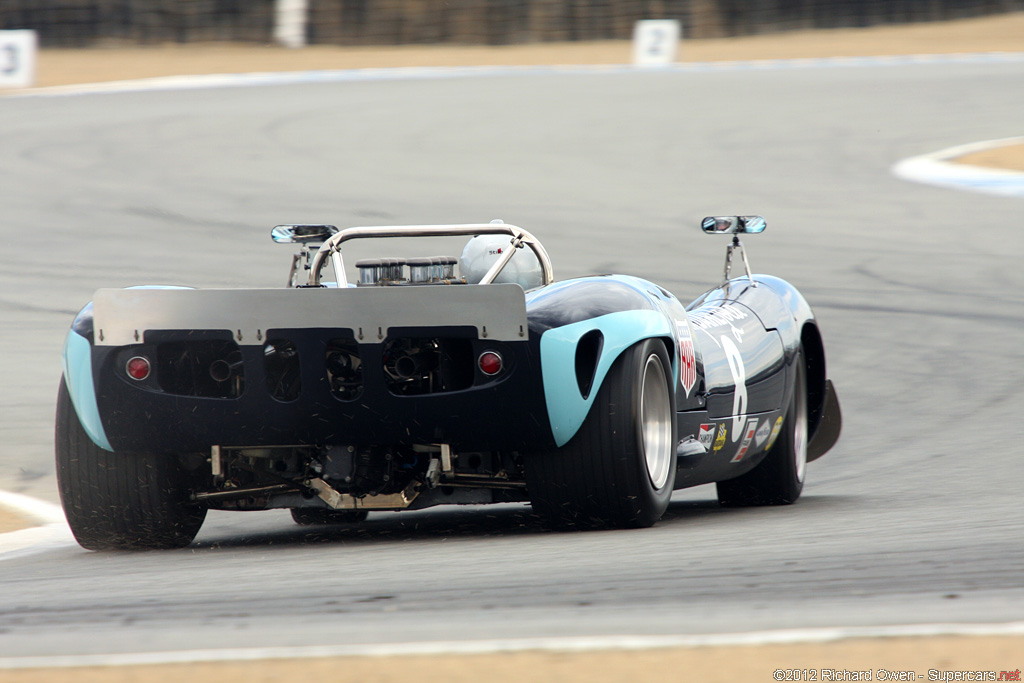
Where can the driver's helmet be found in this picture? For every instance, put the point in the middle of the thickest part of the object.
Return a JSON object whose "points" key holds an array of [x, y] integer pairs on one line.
{"points": [[483, 250]]}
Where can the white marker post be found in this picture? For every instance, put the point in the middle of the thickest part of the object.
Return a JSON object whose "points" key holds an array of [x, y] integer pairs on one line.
{"points": [[655, 42], [18, 59], [290, 23]]}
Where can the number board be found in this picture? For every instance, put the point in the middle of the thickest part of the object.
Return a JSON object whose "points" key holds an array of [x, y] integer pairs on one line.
{"points": [[17, 59], [655, 42]]}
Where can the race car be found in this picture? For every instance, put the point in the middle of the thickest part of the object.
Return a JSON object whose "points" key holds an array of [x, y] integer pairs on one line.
{"points": [[417, 384]]}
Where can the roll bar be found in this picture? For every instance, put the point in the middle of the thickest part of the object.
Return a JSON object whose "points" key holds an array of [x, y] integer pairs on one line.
{"points": [[332, 247]]}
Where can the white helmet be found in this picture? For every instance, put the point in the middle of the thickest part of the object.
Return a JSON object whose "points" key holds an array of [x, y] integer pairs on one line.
{"points": [[482, 251]]}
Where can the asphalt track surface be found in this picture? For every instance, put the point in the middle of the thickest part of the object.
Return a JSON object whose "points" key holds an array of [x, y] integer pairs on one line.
{"points": [[915, 517]]}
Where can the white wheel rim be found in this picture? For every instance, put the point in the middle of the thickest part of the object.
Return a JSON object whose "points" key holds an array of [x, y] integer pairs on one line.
{"points": [[656, 422], [800, 435]]}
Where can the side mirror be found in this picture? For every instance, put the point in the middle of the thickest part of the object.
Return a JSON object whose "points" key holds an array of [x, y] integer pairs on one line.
{"points": [[733, 225], [302, 234]]}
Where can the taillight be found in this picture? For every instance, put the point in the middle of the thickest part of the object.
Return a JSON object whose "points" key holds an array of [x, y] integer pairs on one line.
{"points": [[490, 363], [138, 368]]}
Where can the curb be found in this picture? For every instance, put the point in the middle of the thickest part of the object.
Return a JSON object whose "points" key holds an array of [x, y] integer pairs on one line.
{"points": [[936, 169]]}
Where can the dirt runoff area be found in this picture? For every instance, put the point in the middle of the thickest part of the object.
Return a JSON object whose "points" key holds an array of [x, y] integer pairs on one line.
{"points": [[891, 659], [845, 660], [12, 521], [1009, 158]]}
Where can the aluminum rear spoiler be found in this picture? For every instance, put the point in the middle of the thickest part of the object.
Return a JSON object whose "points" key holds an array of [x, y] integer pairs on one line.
{"points": [[123, 316]]}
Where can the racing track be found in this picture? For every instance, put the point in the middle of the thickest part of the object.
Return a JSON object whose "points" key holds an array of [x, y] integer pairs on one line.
{"points": [[915, 517]]}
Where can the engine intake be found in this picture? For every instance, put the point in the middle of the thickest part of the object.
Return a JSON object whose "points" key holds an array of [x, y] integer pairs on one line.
{"points": [[426, 270]]}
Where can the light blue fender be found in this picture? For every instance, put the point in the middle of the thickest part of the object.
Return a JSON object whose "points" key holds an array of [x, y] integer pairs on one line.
{"points": [[567, 409], [78, 378]]}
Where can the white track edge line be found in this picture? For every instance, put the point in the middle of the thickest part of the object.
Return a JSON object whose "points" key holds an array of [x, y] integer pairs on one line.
{"points": [[165, 83], [936, 169], [498, 646], [53, 531], [39, 510]]}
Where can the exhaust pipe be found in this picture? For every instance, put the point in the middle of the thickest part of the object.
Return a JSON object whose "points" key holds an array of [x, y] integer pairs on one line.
{"points": [[222, 371], [415, 364]]}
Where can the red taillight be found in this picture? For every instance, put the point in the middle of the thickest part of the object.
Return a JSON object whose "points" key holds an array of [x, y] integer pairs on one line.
{"points": [[490, 363], [138, 368]]}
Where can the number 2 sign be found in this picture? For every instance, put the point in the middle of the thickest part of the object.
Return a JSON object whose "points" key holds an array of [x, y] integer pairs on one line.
{"points": [[655, 42], [17, 59]]}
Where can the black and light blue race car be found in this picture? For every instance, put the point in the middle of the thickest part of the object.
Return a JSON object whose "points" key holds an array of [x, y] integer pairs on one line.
{"points": [[435, 380]]}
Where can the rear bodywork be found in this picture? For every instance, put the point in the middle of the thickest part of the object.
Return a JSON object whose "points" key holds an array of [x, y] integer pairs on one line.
{"points": [[279, 348]]}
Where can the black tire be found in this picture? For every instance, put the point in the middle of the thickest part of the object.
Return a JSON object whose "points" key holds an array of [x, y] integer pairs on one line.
{"points": [[619, 470], [779, 478], [121, 501], [322, 516]]}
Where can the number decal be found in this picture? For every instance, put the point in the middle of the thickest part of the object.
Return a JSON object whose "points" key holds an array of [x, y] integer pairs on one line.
{"points": [[10, 62], [739, 378], [657, 37]]}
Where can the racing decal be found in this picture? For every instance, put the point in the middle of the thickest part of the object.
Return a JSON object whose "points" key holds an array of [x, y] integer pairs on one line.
{"points": [[747, 437], [706, 436], [739, 378], [687, 359], [762, 433], [720, 439], [775, 433], [710, 318]]}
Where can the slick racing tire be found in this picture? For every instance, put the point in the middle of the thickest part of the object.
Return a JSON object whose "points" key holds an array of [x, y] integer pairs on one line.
{"points": [[121, 501], [320, 516], [619, 470], [779, 478]]}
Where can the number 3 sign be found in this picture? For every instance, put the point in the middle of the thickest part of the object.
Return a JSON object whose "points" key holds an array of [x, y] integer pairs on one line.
{"points": [[17, 59], [655, 42]]}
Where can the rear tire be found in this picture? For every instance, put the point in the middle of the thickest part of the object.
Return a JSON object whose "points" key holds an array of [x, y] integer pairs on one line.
{"points": [[619, 469], [121, 501], [322, 517], [779, 478]]}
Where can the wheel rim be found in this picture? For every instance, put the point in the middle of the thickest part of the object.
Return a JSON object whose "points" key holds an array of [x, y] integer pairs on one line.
{"points": [[800, 434], [656, 421]]}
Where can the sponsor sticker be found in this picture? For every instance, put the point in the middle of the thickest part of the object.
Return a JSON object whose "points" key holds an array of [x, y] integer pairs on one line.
{"points": [[720, 439], [687, 359], [762, 433], [717, 316], [747, 438], [706, 436], [775, 433]]}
